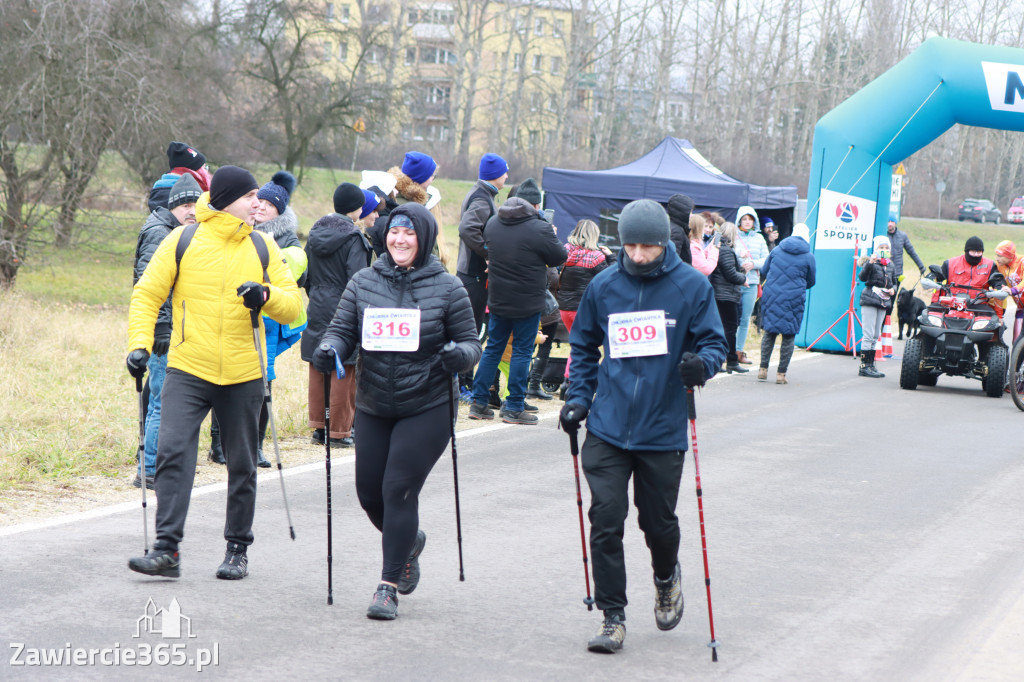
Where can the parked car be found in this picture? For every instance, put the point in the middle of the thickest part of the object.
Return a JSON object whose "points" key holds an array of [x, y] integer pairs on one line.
{"points": [[1016, 212], [979, 210]]}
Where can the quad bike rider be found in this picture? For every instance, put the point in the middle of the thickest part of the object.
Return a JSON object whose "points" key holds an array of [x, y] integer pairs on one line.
{"points": [[961, 331]]}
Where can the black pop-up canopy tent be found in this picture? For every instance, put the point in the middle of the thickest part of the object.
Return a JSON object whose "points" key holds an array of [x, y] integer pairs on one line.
{"points": [[673, 167]]}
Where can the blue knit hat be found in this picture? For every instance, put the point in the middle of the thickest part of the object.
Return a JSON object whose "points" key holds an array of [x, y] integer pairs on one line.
{"points": [[371, 204], [418, 166], [279, 190], [492, 166]]}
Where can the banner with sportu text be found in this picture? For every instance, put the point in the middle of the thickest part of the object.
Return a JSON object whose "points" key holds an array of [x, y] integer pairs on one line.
{"points": [[844, 220]]}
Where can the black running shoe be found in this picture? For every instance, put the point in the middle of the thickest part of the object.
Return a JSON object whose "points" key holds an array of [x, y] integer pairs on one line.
{"points": [[160, 561], [236, 563], [668, 604], [522, 417], [410, 577], [385, 603], [610, 638], [150, 482]]}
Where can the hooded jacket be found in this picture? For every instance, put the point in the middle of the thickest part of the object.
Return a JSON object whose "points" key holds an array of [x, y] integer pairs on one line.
{"points": [[158, 225], [399, 384], [337, 250], [789, 272], [755, 244], [281, 337], [522, 246], [640, 402], [727, 278], [211, 335], [881, 276], [581, 266], [679, 209], [477, 208]]}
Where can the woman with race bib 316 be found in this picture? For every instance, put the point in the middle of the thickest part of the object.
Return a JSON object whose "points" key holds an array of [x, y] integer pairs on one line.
{"points": [[401, 312]]}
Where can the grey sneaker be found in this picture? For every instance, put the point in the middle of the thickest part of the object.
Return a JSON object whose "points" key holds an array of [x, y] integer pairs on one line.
{"points": [[668, 604], [523, 417], [236, 563], [385, 603], [410, 577], [479, 411], [161, 562], [610, 638]]}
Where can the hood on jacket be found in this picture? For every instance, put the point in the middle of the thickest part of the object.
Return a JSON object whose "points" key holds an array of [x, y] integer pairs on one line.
{"points": [[516, 209], [679, 208], [283, 228], [407, 188], [161, 218], [747, 210], [426, 232], [794, 245], [329, 233]]}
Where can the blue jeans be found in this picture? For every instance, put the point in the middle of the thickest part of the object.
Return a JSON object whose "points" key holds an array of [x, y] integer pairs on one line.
{"points": [[157, 371], [524, 333], [746, 309]]}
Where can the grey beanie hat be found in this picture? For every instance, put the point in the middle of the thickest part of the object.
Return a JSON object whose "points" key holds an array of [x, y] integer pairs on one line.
{"points": [[184, 191], [644, 222]]}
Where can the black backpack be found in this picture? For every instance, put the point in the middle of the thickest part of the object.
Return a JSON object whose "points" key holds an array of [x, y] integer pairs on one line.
{"points": [[186, 238]]}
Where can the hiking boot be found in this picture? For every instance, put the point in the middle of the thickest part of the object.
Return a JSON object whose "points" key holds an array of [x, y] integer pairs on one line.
{"points": [[236, 563], [668, 603], [743, 359], [762, 374], [780, 378], [610, 638], [480, 411], [523, 417], [867, 365], [161, 561], [216, 454], [150, 482], [736, 367], [410, 577], [318, 437], [534, 390], [527, 407], [261, 461], [385, 603]]}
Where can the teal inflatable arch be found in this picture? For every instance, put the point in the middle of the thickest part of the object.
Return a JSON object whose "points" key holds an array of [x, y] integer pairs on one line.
{"points": [[857, 144]]}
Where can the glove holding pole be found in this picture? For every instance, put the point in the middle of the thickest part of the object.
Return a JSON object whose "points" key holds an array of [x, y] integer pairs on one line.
{"points": [[569, 419]]}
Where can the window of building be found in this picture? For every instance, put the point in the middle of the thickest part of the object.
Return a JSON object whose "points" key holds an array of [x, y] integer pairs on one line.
{"points": [[375, 54], [343, 51], [519, 23], [553, 103], [437, 94], [534, 101], [376, 14], [330, 11], [558, 28], [556, 65], [549, 138], [534, 139], [413, 17], [410, 55], [327, 52], [437, 55], [538, 62], [344, 14], [430, 131], [538, 27], [517, 62]]}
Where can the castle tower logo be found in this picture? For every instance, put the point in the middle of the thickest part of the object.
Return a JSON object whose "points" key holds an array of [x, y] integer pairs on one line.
{"points": [[169, 623]]}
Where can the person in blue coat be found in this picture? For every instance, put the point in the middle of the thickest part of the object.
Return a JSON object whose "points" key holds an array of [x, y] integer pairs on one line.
{"points": [[655, 319], [789, 272]]}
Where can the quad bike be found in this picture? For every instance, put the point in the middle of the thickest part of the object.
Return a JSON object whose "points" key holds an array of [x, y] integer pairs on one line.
{"points": [[1017, 372], [960, 335]]}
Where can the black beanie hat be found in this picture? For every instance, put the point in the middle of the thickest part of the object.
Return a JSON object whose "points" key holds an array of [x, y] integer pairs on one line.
{"points": [[347, 198], [529, 191], [180, 155], [974, 244], [229, 184]]}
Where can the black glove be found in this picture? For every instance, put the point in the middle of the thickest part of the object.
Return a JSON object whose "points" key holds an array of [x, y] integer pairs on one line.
{"points": [[451, 361], [571, 416], [923, 271], [323, 358], [254, 295], [162, 339], [691, 370], [136, 362]]}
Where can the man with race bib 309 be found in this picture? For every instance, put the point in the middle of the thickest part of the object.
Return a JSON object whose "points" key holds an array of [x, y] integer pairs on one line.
{"points": [[402, 313], [656, 321]]}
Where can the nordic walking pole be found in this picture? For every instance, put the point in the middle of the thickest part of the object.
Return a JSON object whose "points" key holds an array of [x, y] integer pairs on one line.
{"points": [[254, 315], [327, 448], [692, 408], [455, 464], [142, 464], [574, 448]]}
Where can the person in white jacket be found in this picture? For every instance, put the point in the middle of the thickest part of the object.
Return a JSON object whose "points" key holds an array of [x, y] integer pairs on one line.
{"points": [[757, 252]]}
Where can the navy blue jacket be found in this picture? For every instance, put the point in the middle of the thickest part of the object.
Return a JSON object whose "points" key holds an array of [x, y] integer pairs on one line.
{"points": [[640, 402], [789, 272]]}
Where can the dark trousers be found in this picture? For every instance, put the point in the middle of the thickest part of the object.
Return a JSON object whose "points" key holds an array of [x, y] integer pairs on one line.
{"points": [[656, 477], [476, 287], [186, 401], [393, 459], [729, 311]]}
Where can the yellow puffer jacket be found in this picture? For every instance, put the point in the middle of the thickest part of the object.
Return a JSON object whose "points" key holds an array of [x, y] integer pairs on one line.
{"points": [[211, 336]]}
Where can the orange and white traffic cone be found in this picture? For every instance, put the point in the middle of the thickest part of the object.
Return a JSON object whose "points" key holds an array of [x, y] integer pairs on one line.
{"points": [[884, 347]]}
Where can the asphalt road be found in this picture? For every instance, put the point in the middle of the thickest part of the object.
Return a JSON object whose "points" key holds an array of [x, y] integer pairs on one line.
{"points": [[855, 532]]}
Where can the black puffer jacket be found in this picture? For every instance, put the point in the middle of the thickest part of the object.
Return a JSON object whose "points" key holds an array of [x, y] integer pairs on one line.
{"points": [[679, 207], [521, 246], [336, 250], [727, 278], [393, 384], [881, 276], [157, 226], [378, 231], [580, 267]]}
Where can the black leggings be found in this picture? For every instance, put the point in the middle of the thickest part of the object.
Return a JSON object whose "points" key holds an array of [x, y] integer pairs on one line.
{"points": [[393, 458], [729, 311]]}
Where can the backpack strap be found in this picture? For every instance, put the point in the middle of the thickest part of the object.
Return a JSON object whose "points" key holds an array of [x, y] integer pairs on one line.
{"points": [[186, 238]]}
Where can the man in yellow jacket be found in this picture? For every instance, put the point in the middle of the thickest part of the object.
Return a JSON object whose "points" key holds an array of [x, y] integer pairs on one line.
{"points": [[212, 361]]}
